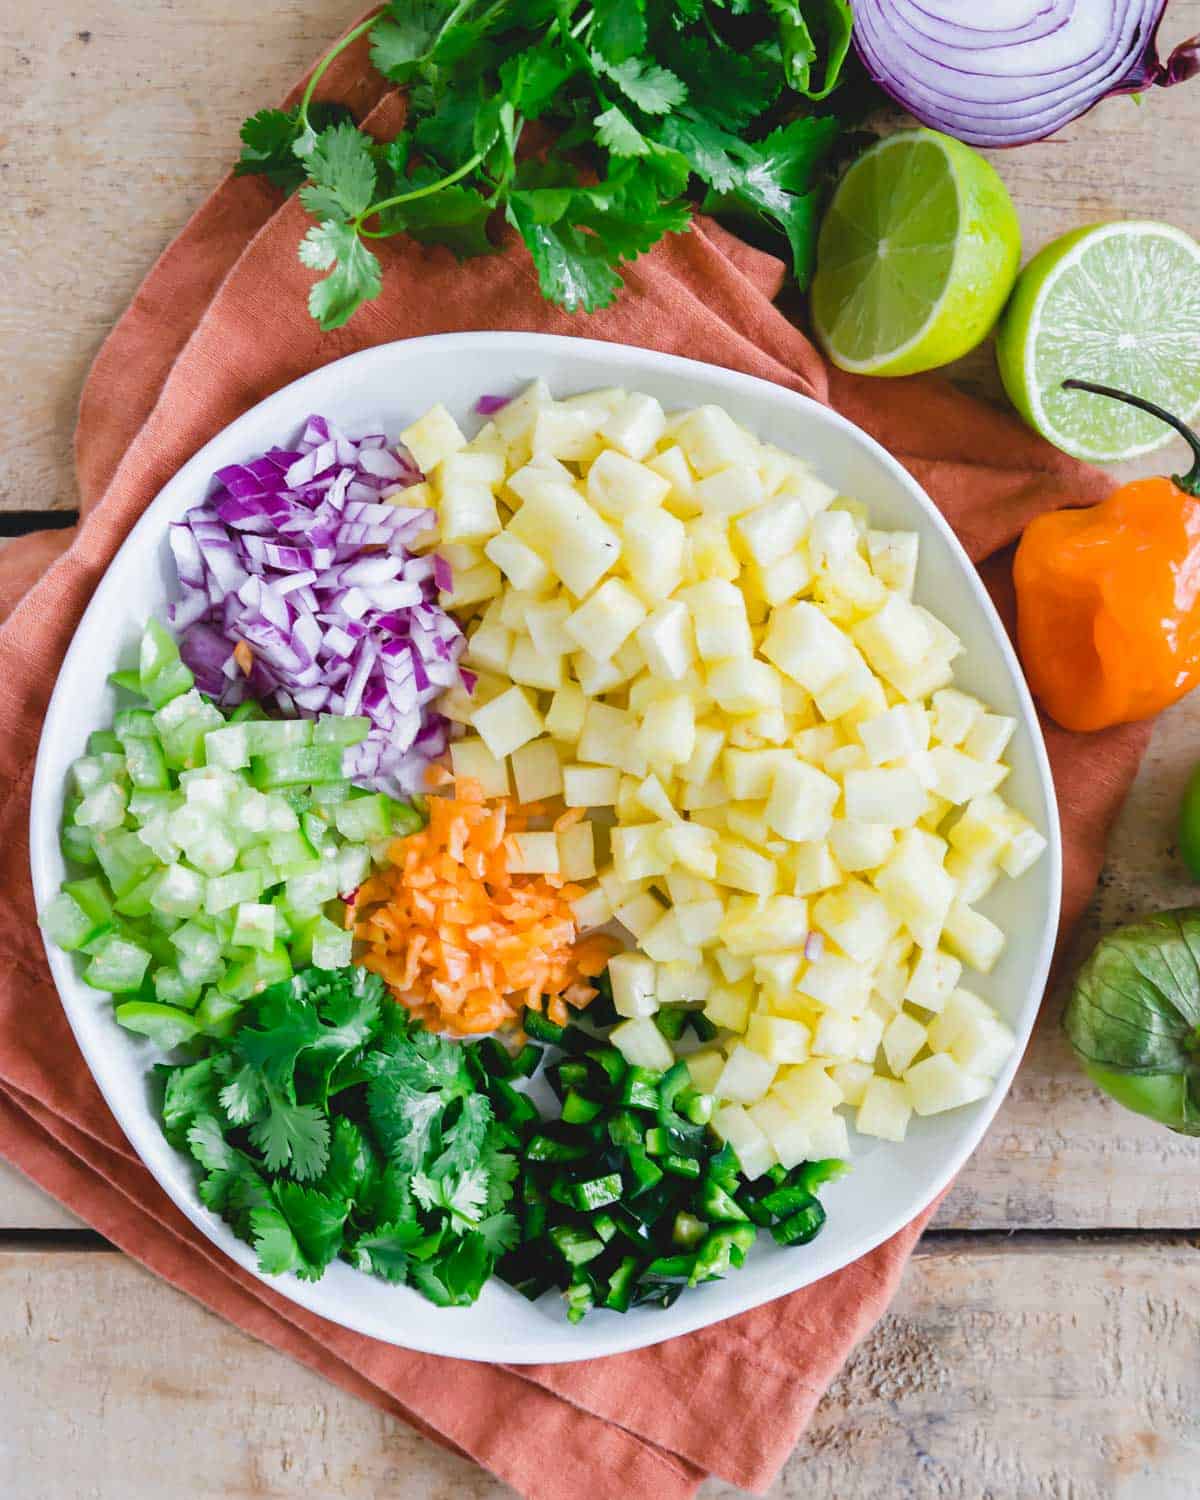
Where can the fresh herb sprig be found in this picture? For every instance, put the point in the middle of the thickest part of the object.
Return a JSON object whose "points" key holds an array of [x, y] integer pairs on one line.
{"points": [[589, 126], [329, 1125]]}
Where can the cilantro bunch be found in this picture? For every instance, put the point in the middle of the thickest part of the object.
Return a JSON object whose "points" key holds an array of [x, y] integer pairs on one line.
{"points": [[329, 1125], [589, 126]]}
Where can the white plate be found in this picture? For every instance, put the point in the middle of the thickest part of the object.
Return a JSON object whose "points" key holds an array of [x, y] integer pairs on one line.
{"points": [[388, 387]]}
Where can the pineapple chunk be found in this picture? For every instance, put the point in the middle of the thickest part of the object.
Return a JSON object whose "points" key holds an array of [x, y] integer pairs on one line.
{"points": [[711, 555], [895, 640], [902, 1040], [828, 1137], [893, 557], [546, 623], [961, 1005], [719, 621], [665, 943], [666, 640], [836, 1036], [933, 979], [705, 1067], [734, 1126], [712, 440], [800, 807], [565, 716], [837, 983], [860, 846], [782, 579], [749, 773], [639, 913], [590, 786], [604, 621], [852, 1079], [528, 666], [857, 920], [746, 1076], [959, 777], [774, 529], [885, 1110], [520, 564], [592, 909], [788, 1134], [808, 1090], [472, 586], [532, 853], [744, 869], [655, 545], [973, 937], [537, 771], [779, 924], [938, 1083], [868, 1033], [893, 798], [728, 1005], [896, 734], [609, 738], [954, 716], [690, 847], [635, 426], [742, 686], [641, 1044], [814, 869], [618, 486], [562, 528], [433, 437], [982, 1044], [472, 758], [807, 646], [915, 886], [636, 852], [675, 469], [1025, 847], [577, 852], [634, 983], [467, 513], [730, 491], [700, 922], [668, 732], [490, 648], [508, 722], [988, 737]]}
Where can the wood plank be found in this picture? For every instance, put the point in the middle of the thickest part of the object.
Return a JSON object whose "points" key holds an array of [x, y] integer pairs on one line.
{"points": [[24, 1206], [997, 1358]]}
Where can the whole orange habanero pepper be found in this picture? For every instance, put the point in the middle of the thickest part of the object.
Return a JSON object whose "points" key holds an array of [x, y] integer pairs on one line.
{"points": [[1108, 598]]}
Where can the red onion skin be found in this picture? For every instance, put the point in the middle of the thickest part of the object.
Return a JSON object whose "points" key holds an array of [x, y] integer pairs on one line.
{"points": [[1146, 71]]}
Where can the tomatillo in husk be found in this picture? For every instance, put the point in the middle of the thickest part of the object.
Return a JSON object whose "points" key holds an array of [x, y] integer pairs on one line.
{"points": [[1134, 1017]]}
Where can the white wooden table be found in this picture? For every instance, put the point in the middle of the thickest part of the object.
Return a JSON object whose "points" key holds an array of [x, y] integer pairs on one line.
{"points": [[1046, 1342]]}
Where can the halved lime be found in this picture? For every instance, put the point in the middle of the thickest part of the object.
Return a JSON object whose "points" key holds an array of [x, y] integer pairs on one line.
{"points": [[1114, 303], [916, 256]]}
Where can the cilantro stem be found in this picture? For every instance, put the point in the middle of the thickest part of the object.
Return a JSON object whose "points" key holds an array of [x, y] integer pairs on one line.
{"points": [[319, 71], [422, 192]]}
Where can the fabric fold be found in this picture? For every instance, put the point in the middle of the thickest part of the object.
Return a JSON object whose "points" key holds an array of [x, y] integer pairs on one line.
{"points": [[218, 325]]}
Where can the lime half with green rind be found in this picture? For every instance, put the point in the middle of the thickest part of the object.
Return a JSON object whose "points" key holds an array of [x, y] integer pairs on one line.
{"points": [[916, 256], [1118, 304]]}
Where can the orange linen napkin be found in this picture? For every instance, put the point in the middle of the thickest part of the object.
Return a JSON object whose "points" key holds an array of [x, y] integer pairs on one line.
{"points": [[217, 325]]}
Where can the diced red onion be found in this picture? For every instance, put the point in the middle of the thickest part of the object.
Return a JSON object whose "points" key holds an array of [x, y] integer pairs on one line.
{"points": [[1005, 72], [814, 946], [487, 406], [297, 554]]}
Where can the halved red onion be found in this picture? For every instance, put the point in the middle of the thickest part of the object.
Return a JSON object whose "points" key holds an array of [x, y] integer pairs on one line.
{"points": [[1005, 72], [299, 554]]}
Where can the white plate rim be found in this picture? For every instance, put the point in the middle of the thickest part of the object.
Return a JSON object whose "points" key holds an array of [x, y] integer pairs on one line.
{"points": [[596, 1337]]}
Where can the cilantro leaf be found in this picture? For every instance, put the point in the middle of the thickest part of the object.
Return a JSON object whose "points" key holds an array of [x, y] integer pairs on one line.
{"points": [[573, 269], [655, 90], [455, 1278], [187, 1092], [402, 42], [532, 77], [276, 1244], [617, 133], [207, 1143], [316, 1221], [385, 1250], [352, 1168], [342, 172], [500, 1233], [462, 1143], [445, 130], [244, 1097], [290, 1135], [462, 1197], [356, 276], [619, 31], [270, 140], [728, 86]]}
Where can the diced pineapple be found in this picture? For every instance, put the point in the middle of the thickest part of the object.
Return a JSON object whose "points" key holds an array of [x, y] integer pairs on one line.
{"points": [[520, 564], [508, 722], [609, 738], [577, 852], [988, 737], [728, 1004], [719, 622], [561, 527], [895, 639], [902, 1039], [433, 437], [982, 1044], [490, 648], [742, 686], [857, 920], [590, 786], [835, 1037], [472, 758], [515, 419], [705, 1068], [894, 798], [808, 1090], [700, 922], [980, 832], [776, 925], [788, 1134], [754, 1152], [635, 426], [954, 716], [774, 529], [938, 1083], [776, 973], [828, 1137], [974, 875], [634, 985], [618, 486], [528, 666], [746, 1076], [546, 621], [852, 1079], [749, 773], [655, 545], [712, 440], [973, 937], [566, 714], [537, 771], [665, 942], [606, 618], [641, 1044], [651, 796], [730, 492], [675, 469], [472, 586], [532, 853], [801, 803], [668, 732], [595, 677], [885, 1110], [639, 913], [592, 909], [807, 646], [893, 557], [837, 983], [896, 735], [916, 887], [813, 868], [690, 847], [636, 852], [961, 1006], [860, 846], [959, 777], [667, 641], [1025, 847], [783, 578], [744, 869], [933, 979]]}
